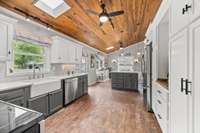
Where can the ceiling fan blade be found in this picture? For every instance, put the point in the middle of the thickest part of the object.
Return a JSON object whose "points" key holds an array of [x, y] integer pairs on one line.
{"points": [[101, 24], [92, 12], [111, 23], [116, 13]]}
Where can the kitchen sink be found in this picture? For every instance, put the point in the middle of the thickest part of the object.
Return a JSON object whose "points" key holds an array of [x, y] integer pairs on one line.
{"points": [[43, 86]]}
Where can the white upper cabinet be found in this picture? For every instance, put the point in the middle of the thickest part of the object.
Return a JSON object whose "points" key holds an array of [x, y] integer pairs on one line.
{"points": [[182, 13], [195, 9], [4, 40], [65, 51], [179, 16], [6, 37], [78, 54]]}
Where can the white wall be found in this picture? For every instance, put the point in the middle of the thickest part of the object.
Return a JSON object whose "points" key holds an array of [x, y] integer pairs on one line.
{"points": [[132, 50]]}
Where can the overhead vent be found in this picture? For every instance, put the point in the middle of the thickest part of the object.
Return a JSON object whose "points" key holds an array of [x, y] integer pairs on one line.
{"points": [[54, 8]]}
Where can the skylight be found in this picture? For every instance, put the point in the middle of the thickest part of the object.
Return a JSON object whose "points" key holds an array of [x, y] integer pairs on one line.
{"points": [[53, 4], [52, 7]]}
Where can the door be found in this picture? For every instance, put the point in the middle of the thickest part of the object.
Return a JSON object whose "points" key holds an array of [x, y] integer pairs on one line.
{"points": [[178, 69], [178, 19], [39, 104], [55, 100], [194, 75]]}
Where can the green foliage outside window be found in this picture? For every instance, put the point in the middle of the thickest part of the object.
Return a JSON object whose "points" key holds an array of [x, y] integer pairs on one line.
{"points": [[26, 54]]}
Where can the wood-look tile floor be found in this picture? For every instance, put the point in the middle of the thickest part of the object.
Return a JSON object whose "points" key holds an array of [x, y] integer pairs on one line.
{"points": [[104, 110]]}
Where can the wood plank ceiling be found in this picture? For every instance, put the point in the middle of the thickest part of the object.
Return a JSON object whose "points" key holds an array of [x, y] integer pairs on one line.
{"points": [[84, 27]]}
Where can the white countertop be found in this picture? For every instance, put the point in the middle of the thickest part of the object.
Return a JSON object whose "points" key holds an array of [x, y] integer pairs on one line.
{"points": [[13, 85], [24, 83], [61, 77]]}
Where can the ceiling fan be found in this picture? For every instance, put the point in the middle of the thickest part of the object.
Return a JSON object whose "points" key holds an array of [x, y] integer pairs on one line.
{"points": [[104, 16]]}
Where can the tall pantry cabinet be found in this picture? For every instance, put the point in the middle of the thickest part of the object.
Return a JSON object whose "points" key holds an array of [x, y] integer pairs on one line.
{"points": [[184, 82]]}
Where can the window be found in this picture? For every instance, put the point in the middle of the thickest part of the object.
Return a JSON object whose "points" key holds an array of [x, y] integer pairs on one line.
{"points": [[27, 54]]}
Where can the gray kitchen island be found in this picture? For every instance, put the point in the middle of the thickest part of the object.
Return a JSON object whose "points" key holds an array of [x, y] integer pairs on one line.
{"points": [[124, 80]]}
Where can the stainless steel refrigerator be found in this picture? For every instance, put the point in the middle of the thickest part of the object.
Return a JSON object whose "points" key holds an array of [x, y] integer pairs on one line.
{"points": [[147, 76]]}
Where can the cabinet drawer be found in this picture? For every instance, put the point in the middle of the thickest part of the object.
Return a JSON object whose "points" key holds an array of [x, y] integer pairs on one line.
{"points": [[163, 124], [12, 94], [161, 92], [162, 108]]}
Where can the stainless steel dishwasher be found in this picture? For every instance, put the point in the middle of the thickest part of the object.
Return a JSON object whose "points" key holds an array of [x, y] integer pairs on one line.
{"points": [[71, 87]]}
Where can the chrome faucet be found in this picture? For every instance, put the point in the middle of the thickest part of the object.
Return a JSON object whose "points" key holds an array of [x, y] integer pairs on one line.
{"points": [[34, 70]]}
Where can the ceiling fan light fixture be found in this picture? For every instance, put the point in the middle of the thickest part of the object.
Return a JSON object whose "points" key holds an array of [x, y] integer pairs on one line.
{"points": [[103, 18]]}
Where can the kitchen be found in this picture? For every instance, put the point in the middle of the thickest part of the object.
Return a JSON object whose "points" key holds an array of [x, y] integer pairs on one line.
{"points": [[94, 66]]}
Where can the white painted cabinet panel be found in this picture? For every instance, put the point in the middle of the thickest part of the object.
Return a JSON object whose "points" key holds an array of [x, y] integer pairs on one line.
{"points": [[178, 19], [78, 54], [178, 69], [194, 74], [4, 40], [195, 8]]}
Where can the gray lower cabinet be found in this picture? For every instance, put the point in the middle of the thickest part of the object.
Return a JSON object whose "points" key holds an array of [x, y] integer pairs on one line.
{"points": [[55, 101], [33, 129], [85, 84], [48, 103], [124, 81], [40, 104], [18, 96]]}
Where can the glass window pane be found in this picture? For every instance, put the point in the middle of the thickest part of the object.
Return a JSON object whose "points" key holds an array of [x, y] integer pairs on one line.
{"points": [[27, 54]]}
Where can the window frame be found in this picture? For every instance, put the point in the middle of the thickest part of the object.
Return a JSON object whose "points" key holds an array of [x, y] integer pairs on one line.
{"points": [[11, 63]]}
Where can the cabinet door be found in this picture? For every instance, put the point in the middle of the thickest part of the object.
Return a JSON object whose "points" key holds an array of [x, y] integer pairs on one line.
{"points": [[85, 84], [195, 9], [80, 87], [4, 40], [55, 101], [33, 129], [117, 80], [178, 69], [78, 54], [72, 52], [56, 53], [18, 101], [39, 104], [194, 75], [178, 20]]}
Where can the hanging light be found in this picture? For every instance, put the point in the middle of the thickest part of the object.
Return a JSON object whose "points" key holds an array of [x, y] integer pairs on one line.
{"points": [[121, 47], [27, 18], [103, 18]]}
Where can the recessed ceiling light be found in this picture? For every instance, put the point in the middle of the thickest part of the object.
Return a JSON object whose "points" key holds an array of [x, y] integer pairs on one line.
{"points": [[52, 7], [109, 48]]}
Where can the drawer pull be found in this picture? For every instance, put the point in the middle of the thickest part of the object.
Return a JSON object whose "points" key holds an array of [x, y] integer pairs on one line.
{"points": [[159, 116], [159, 101]]}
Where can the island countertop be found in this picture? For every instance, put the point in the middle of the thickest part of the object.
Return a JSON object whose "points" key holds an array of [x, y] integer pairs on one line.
{"points": [[17, 119]]}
